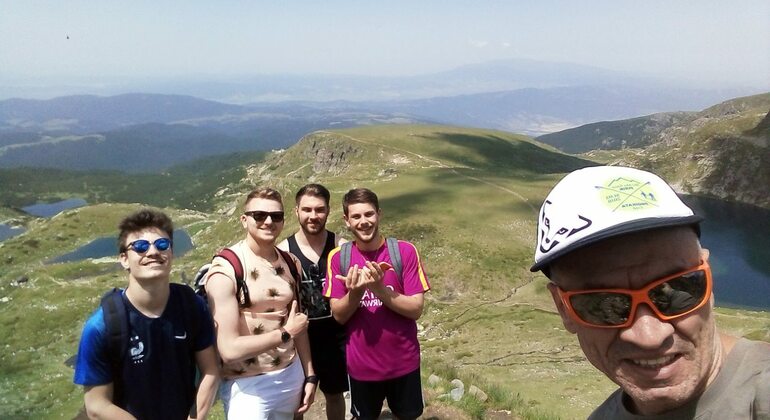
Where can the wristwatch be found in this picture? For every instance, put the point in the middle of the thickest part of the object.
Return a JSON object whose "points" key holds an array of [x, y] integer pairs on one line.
{"points": [[285, 336]]}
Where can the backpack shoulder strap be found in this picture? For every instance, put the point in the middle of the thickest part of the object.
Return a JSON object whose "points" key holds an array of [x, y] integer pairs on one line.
{"points": [[294, 274], [395, 257], [241, 289], [188, 300], [346, 250], [116, 322]]}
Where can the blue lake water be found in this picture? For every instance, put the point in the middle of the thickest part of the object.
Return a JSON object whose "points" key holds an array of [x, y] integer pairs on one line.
{"points": [[107, 247], [9, 231], [738, 237], [52, 209]]}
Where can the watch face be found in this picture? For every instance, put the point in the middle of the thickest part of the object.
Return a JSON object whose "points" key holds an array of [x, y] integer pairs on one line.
{"points": [[285, 336]]}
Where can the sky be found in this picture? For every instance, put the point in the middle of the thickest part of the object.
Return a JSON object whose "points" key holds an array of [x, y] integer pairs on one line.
{"points": [[60, 41]]}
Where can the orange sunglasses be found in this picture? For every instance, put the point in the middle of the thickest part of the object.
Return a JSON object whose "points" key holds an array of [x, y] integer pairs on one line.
{"points": [[669, 298]]}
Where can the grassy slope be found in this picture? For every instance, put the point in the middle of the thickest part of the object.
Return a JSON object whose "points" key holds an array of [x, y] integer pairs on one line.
{"points": [[468, 200], [718, 152], [190, 185], [40, 320], [612, 135]]}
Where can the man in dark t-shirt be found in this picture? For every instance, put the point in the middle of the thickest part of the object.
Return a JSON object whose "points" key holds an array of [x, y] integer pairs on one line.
{"points": [[154, 377], [312, 244], [629, 277]]}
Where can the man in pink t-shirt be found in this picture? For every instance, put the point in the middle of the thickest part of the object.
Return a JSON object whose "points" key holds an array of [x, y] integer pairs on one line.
{"points": [[379, 312]]}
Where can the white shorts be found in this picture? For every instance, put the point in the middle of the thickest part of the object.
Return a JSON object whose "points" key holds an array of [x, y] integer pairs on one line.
{"points": [[272, 396]]}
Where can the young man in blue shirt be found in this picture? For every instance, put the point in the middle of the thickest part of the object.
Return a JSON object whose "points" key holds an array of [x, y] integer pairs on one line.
{"points": [[154, 377]]}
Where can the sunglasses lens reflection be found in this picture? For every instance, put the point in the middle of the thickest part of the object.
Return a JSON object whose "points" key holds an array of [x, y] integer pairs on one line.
{"points": [[602, 308], [671, 298], [681, 294], [142, 245], [162, 244], [261, 216]]}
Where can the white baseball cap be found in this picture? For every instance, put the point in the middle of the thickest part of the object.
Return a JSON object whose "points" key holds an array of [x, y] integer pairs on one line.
{"points": [[596, 203]]}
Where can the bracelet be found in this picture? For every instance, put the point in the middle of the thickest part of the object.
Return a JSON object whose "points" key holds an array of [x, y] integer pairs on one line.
{"points": [[312, 379]]}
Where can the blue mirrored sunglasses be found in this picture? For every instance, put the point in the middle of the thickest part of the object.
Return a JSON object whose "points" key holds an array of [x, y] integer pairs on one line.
{"points": [[142, 245]]}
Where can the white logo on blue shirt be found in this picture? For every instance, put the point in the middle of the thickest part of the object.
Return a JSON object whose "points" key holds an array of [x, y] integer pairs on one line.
{"points": [[136, 349]]}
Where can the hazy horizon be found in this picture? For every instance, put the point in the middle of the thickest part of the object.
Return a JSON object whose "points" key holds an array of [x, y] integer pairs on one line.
{"points": [[48, 45]]}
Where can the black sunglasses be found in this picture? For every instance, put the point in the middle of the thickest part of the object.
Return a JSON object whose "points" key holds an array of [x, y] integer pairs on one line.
{"points": [[142, 245], [260, 216]]}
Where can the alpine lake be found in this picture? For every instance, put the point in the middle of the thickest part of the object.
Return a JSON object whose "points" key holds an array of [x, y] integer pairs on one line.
{"points": [[737, 236]]}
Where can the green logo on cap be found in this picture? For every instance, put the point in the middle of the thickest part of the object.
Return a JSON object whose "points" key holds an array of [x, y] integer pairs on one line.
{"points": [[626, 194]]}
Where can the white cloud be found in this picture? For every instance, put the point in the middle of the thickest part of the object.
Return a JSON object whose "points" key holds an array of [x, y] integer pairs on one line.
{"points": [[478, 44]]}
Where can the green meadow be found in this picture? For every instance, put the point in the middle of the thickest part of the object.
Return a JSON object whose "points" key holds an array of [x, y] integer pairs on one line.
{"points": [[467, 198]]}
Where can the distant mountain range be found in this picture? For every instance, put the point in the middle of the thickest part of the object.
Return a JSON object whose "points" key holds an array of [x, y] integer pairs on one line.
{"points": [[484, 77], [151, 132], [722, 151], [538, 111], [143, 132], [88, 113], [517, 95]]}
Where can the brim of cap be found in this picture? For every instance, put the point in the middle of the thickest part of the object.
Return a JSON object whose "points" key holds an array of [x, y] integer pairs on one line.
{"points": [[617, 230]]}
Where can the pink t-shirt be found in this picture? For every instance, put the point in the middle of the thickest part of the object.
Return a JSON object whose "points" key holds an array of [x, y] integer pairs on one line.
{"points": [[381, 344]]}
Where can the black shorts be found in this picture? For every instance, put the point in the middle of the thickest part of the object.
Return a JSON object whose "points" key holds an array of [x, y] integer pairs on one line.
{"points": [[327, 350], [404, 395]]}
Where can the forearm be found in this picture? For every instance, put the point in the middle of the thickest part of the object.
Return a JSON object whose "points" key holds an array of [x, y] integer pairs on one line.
{"points": [[239, 348], [208, 365], [345, 307], [407, 306], [99, 405], [207, 391], [109, 412], [302, 344]]}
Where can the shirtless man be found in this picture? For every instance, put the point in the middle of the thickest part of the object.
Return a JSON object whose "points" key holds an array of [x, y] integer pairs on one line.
{"points": [[261, 337]]}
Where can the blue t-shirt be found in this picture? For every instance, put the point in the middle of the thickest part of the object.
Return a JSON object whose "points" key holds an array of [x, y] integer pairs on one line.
{"points": [[158, 371]]}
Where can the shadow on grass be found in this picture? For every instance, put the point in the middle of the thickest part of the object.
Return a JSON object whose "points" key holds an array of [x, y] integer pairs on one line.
{"points": [[490, 151]]}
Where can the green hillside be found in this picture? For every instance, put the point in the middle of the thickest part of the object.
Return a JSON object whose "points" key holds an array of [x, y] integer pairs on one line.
{"points": [[722, 151], [615, 135], [467, 198], [189, 185]]}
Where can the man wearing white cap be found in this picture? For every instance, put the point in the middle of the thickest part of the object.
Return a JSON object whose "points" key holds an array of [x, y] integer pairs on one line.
{"points": [[630, 279]]}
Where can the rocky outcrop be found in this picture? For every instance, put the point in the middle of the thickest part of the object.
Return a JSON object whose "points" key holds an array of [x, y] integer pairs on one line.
{"points": [[722, 152], [330, 156]]}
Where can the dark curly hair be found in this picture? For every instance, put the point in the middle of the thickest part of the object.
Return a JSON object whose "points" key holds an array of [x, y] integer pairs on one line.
{"points": [[143, 219]]}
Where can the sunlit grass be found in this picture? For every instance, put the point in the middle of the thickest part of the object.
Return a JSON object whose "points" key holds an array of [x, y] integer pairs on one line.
{"points": [[467, 198]]}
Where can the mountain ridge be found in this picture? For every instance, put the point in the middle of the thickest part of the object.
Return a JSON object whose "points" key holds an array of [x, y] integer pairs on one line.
{"points": [[467, 198], [722, 151]]}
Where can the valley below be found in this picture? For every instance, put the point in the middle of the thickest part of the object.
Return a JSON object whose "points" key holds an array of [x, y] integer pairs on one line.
{"points": [[468, 198]]}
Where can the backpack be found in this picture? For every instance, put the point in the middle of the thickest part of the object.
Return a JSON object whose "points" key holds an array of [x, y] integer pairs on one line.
{"points": [[116, 322], [241, 289], [346, 251], [315, 305], [116, 313]]}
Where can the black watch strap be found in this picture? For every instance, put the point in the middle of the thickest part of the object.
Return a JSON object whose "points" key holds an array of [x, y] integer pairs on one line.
{"points": [[285, 336], [312, 379]]}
